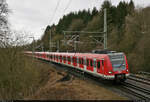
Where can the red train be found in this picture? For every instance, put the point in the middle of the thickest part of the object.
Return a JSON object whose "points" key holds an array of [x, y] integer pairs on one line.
{"points": [[110, 65]]}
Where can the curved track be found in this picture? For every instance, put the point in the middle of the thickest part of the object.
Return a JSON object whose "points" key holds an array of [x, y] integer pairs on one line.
{"points": [[139, 79], [130, 88], [137, 91]]}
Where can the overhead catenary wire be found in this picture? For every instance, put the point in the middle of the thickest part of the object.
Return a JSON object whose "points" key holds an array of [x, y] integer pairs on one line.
{"points": [[57, 5], [67, 6]]}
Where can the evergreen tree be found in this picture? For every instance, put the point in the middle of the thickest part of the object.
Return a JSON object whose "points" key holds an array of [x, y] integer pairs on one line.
{"points": [[131, 7], [94, 12]]}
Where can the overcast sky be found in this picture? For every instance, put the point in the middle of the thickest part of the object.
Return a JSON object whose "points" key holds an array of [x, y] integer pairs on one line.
{"points": [[34, 15]]}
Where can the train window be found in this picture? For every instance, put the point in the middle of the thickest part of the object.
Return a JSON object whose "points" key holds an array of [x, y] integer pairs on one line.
{"points": [[82, 61], [64, 58], [98, 64], [87, 62], [102, 63], [69, 60], [75, 60], [79, 60], [91, 62], [72, 59], [94, 63]]}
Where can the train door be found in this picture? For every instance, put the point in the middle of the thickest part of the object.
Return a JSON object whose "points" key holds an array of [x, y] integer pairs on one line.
{"points": [[102, 67], [64, 58], [56, 58], [98, 66], [71, 60], [77, 61], [84, 59], [61, 59], [74, 61], [44, 56], [91, 64], [94, 65], [53, 57], [81, 63], [87, 64]]}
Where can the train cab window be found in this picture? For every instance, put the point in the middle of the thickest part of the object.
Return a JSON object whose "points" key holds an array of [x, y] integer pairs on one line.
{"points": [[98, 64], [87, 62], [91, 63]]}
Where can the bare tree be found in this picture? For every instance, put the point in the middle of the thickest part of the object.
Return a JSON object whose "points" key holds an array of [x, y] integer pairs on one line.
{"points": [[3, 21]]}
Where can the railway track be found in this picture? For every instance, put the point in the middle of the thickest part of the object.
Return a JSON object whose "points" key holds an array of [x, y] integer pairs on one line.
{"points": [[140, 92], [129, 88], [139, 79], [138, 86]]}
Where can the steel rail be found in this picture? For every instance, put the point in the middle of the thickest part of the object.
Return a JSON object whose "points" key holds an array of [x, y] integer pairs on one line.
{"points": [[139, 79], [144, 90], [129, 90]]}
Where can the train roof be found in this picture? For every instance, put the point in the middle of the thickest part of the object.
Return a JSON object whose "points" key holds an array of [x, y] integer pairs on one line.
{"points": [[88, 55]]}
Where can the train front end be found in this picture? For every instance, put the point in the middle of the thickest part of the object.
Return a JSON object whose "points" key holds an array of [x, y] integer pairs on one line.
{"points": [[119, 66]]}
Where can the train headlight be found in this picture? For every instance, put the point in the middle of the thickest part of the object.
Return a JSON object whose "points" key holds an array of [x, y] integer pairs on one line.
{"points": [[110, 72], [127, 70]]}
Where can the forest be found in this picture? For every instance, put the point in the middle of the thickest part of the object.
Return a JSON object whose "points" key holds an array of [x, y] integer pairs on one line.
{"points": [[127, 31]]}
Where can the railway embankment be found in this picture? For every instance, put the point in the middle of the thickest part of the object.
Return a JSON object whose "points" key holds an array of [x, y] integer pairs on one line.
{"points": [[63, 86]]}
